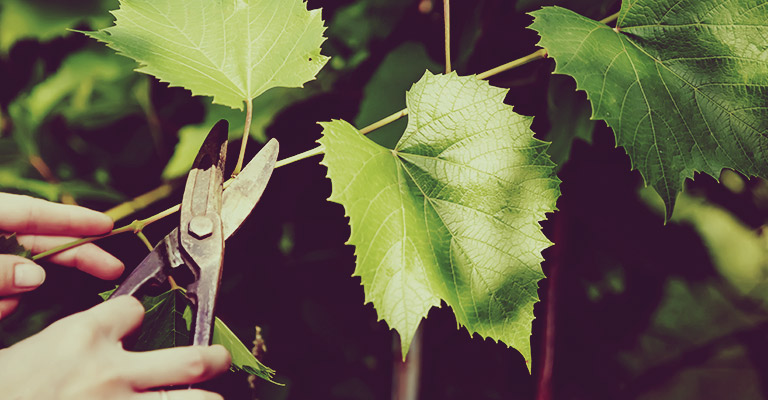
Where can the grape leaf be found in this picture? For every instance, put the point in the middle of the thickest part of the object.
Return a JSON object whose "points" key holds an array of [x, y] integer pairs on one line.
{"points": [[683, 84], [168, 321], [10, 245], [232, 50], [452, 213]]}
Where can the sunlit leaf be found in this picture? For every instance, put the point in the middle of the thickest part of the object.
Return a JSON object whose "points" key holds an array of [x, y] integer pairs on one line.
{"points": [[452, 213], [233, 50]]}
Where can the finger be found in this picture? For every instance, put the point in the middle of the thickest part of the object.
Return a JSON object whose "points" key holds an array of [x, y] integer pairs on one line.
{"points": [[8, 305], [88, 258], [30, 215], [176, 366], [116, 318], [18, 275], [185, 394]]}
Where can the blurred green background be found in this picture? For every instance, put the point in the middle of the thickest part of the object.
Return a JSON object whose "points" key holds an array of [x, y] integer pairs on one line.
{"points": [[641, 310]]}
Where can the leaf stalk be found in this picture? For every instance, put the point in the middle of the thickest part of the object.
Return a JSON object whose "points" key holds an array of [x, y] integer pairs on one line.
{"points": [[246, 136]]}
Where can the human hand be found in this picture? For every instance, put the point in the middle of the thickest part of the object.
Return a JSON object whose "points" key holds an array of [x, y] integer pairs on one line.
{"points": [[81, 357], [41, 226]]}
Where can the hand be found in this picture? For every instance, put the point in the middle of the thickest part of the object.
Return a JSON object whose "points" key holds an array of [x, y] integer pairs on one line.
{"points": [[81, 357], [41, 226]]}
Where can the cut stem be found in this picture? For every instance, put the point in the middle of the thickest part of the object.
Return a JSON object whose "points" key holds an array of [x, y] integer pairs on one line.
{"points": [[246, 136], [447, 19]]}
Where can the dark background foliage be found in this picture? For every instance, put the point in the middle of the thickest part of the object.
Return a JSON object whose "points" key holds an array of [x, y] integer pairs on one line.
{"points": [[640, 310]]}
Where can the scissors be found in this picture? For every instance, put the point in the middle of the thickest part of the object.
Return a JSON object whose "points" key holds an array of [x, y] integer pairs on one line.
{"points": [[209, 215]]}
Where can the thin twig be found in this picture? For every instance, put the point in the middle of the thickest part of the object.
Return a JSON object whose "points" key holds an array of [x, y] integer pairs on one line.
{"points": [[136, 227], [536, 55], [385, 121], [246, 136], [144, 240], [447, 19]]}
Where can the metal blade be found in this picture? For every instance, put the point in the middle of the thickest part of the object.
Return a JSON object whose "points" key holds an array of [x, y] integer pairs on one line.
{"points": [[201, 237], [202, 193], [242, 195], [154, 267]]}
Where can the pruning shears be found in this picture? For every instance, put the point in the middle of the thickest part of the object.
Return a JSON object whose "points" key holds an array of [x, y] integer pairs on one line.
{"points": [[209, 215]]}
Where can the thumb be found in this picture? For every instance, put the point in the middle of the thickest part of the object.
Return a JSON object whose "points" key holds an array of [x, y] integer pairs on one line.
{"points": [[18, 275]]}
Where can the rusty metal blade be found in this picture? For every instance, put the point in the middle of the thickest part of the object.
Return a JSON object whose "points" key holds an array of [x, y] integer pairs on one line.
{"points": [[200, 229], [242, 195], [154, 267]]}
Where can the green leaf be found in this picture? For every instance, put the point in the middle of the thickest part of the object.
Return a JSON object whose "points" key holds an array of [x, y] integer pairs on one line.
{"points": [[9, 245], [168, 321], [231, 50], [452, 213], [242, 358], [683, 84]]}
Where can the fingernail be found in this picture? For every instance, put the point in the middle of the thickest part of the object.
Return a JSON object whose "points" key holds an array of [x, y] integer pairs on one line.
{"points": [[27, 275]]}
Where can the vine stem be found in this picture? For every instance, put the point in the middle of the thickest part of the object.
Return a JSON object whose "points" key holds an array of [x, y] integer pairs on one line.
{"points": [[144, 240], [610, 18], [136, 227], [536, 55], [309, 153], [246, 136], [447, 19]]}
